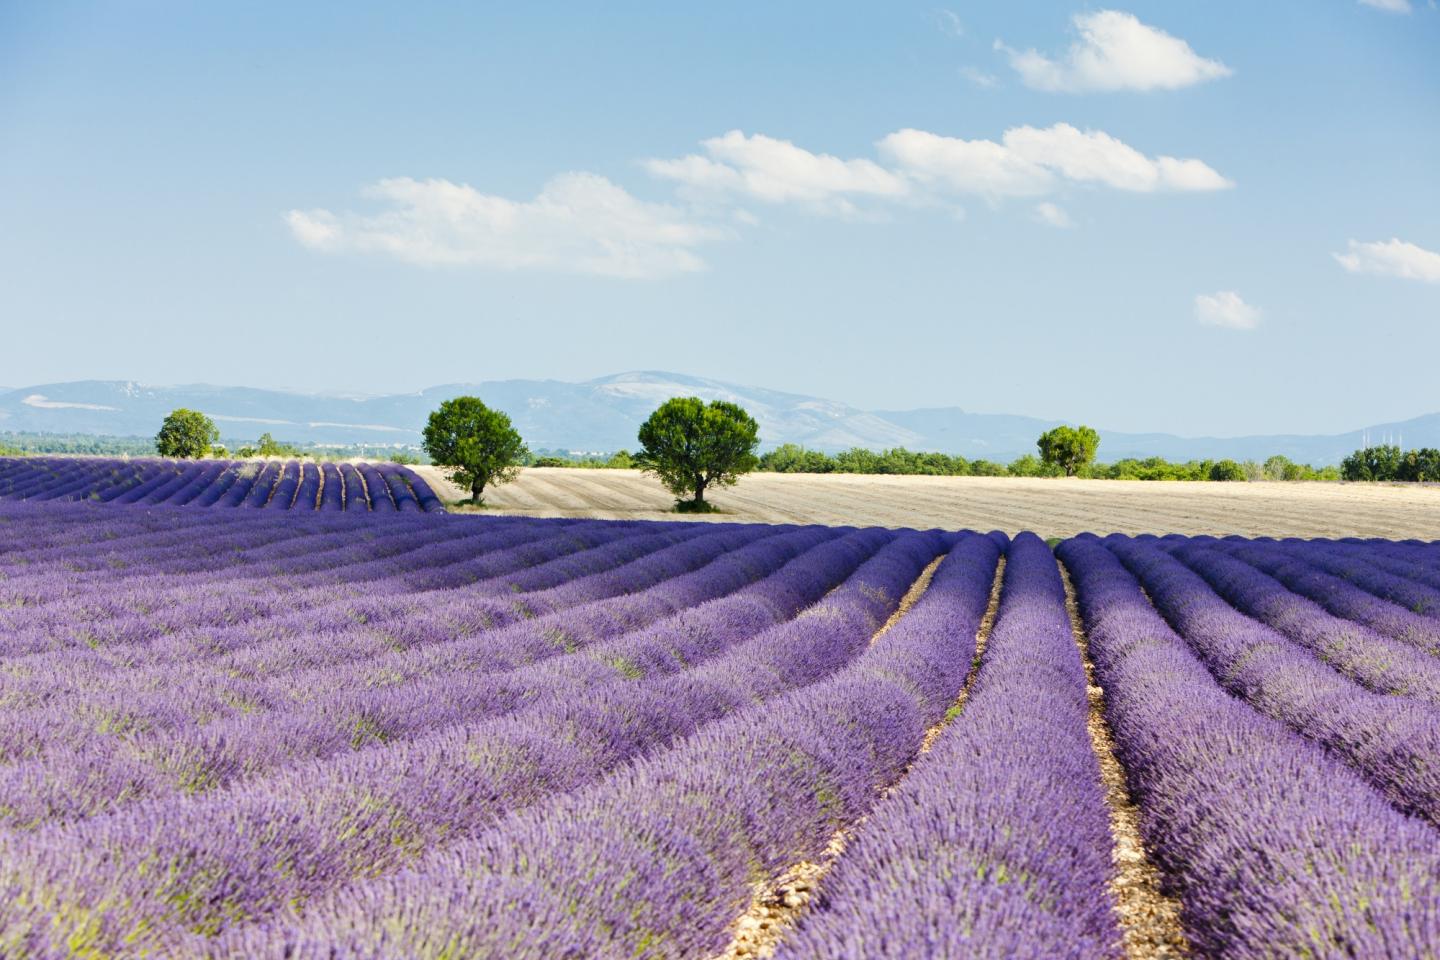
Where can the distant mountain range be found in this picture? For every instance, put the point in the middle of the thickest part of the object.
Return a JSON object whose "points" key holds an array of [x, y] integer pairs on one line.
{"points": [[603, 415]]}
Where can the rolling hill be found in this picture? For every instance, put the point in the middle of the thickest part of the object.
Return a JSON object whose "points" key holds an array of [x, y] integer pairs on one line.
{"points": [[603, 414]]}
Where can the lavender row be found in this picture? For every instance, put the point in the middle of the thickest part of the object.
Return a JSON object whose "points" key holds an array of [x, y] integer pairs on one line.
{"points": [[1371, 570], [658, 859], [77, 767], [997, 843], [519, 546], [329, 635], [1376, 662], [288, 485], [345, 820], [1394, 741], [1340, 597], [1273, 846]]}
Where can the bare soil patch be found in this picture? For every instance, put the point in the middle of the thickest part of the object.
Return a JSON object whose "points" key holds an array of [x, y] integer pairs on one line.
{"points": [[1053, 508]]}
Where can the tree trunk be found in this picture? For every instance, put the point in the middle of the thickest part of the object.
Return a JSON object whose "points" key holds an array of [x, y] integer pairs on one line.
{"points": [[477, 488], [699, 490]]}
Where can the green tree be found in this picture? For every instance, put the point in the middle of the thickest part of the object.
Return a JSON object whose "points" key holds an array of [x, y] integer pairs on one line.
{"points": [[476, 445], [1068, 448], [1227, 470], [1383, 462], [691, 445], [186, 434]]}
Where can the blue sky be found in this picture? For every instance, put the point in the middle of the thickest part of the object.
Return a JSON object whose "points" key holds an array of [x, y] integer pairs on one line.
{"points": [[1196, 218]]}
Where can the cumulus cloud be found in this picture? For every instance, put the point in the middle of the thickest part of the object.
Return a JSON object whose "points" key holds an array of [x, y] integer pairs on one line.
{"points": [[1116, 52], [1029, 161], [579, 223], [1225, 308], [1392, 258], [1389, 6], [777, 171], [1048, 213]]}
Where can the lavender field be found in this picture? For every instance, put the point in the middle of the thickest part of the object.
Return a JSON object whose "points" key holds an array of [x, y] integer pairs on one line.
{"points": [[270, 484], [316, 734]]}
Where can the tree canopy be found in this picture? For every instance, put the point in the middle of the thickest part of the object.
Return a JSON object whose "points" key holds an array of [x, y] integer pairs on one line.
{"points": [[1071, 449], [1389, 462], [478, 446], [691, 446], [186, 434]]}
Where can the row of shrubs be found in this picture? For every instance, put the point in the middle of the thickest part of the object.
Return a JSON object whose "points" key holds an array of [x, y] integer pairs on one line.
{"points": [[1389, 462], [792, 458]]}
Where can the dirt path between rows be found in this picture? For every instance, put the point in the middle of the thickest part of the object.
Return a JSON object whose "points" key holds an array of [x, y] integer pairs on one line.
{"points": [[777, 906], [1052, 508], [1149, 920]]}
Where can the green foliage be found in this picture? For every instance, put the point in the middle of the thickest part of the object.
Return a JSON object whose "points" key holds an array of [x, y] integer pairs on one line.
{"points": [[186, 434], [268, 446], [793, 458], [1070, 449], [1150, 468], [83, 443], [1227, 471], [1031, 466], [550, 462], [691, 445], [1389, 462], [790, 458], [1372, 463], [478, 446], [404, 458], [1420, 466]]}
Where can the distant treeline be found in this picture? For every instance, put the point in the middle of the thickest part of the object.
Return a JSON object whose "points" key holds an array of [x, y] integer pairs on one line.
{"points": [[792, 458], [1389, 462], [18, 443], [14, 444]]}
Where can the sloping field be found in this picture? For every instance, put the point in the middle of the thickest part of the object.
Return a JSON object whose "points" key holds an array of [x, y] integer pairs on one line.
{"points": [[251, 734], [1054, 508], [268, 484]]}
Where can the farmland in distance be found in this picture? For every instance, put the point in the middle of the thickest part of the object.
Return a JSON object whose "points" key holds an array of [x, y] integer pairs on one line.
{"points": [[1059, 508]]}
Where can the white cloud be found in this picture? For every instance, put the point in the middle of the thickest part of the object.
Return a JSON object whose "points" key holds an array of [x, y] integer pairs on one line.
{"points": [[1116, 52], [1047, 212], [777, 171], [1389, 6], [1031, 161], [579, 222], [1392, 258], [38, 401], [966, 166], [1225, 308], [266, 420], [359, 426], [950, 22], [317, 229], [981, 79]]}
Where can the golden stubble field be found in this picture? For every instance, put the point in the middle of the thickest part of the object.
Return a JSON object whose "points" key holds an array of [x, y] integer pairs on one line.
{"points": [[1052, 508]]}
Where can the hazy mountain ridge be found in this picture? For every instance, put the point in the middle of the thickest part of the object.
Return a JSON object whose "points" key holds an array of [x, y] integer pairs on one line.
{"points": [[603, 414]]}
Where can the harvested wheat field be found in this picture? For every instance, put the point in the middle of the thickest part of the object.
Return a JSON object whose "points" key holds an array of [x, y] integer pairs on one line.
{"points": [[1054, 508]]}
